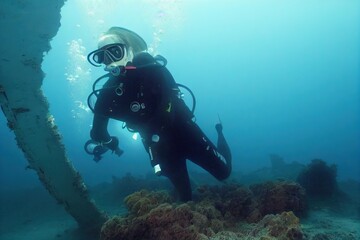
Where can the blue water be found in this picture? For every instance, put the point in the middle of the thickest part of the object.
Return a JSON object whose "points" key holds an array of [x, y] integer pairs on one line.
{"points": [[284, 77]]}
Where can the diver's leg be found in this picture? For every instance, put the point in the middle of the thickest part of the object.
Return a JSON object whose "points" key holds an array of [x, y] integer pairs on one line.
{"points": [[177, 173], [204, 153], [172, 162]]}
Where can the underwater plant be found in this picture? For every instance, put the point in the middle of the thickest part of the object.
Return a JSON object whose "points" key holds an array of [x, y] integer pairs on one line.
{"points": [[319, 179]]}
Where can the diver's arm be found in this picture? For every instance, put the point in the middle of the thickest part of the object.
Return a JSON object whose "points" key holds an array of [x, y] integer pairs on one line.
{"points": [[100, 134], [99, 131]]}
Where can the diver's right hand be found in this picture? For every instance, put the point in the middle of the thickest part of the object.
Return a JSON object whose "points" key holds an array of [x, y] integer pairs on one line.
{"points": [[118, 151], [113, 144]]}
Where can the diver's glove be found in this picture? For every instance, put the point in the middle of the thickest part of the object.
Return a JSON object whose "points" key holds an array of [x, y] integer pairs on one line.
{"points": [[113, 145], [118, 151], [98, 151]]}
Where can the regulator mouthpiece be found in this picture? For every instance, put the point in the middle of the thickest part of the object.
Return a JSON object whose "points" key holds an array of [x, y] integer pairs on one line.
{"points": [[113, 69]]}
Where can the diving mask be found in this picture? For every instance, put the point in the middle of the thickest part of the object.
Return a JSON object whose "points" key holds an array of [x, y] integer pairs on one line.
{"points": [[107, 55]]}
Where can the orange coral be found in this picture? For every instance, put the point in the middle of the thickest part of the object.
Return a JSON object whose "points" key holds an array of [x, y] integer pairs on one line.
{"points": [[232, 201], [217, 214], [283, 226], [140, 203], [152, 216]]}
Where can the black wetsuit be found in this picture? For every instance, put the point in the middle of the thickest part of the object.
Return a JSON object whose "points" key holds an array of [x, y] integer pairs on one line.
{"points": [[147, 100]]}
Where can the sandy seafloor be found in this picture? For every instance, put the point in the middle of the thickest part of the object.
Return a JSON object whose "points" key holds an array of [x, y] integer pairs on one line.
{"points": [[32, 214]]}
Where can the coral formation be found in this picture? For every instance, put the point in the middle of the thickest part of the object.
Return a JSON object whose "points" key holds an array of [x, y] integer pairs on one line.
{"points": [[233, 202], [153, 216], [219, 212], [281, 226], [140, 203], [275, 197]]}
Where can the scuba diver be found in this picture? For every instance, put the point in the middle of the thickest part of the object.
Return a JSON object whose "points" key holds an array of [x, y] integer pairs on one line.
{"points": [[140, 91]]}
